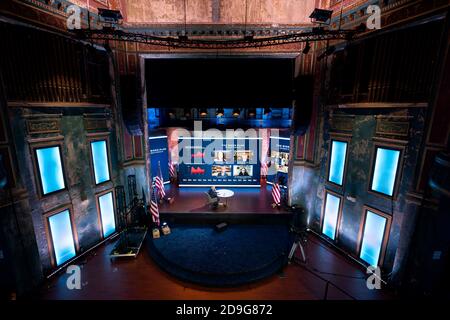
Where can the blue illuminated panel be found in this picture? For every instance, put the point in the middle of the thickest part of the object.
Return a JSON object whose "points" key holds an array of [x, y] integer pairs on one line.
{"points": [[100, 161], [385, 171], [62, 236], [107, 213], [337, 161], [50, 169], [331, 214], [372, 238]]}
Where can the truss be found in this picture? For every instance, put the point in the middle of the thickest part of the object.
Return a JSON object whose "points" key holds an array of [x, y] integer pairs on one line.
{"points": [[317, 34]]}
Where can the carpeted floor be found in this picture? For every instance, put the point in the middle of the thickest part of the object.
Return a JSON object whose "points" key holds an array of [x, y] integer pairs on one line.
{"points": [[238, 255]]}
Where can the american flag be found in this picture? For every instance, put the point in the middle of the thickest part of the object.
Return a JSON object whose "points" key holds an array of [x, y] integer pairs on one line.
{"points": [[159, 183], [276, 195], [154, 208], [172, 169], [264, 169]]}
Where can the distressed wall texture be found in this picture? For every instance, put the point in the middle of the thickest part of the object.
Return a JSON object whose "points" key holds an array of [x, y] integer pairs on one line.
{"points": [[222, 11], [81, 190], [360, 126]]}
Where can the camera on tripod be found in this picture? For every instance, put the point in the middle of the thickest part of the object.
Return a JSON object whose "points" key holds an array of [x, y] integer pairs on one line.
{"points": [[299, 229]]}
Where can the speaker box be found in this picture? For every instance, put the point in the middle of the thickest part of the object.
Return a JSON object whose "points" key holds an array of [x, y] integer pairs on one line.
{"points": [[303, 104], [131, 104]]}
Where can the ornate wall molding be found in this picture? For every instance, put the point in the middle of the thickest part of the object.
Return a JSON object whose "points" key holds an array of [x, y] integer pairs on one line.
{"points": [[38, 126], [389, 126]]}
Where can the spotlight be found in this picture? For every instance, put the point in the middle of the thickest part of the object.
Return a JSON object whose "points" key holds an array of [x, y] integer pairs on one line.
{"points": [[110, 16], [171, 113], [321, 16], [252, 112], [187, 112], [220, 112], [306, 48], [236, 112], [267, 110], [203, 112]]}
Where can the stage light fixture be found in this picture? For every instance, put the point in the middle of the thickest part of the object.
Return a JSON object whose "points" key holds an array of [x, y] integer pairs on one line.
{"points": [[110, 16], [306, 48], [171, 113], [203, 112], [236, 112], [220, 112], [187, 112], [252, 112], [321, 16], [267, 110]]}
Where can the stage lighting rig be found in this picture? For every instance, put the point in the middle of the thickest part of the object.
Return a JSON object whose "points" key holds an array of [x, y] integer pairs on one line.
{"points": [[111, 19]]}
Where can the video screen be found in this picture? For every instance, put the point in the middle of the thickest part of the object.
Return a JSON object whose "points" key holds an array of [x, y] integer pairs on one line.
{"points": [[229, 163], [223, 156], [244, 156], [221, 171], [281, 161], [242, 171]]}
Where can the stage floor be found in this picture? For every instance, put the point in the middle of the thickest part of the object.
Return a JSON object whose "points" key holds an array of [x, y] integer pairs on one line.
{"points": [[192, 200]]}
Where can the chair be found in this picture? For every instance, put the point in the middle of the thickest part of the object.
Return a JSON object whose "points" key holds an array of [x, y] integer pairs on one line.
{"points": [[211, 201]]}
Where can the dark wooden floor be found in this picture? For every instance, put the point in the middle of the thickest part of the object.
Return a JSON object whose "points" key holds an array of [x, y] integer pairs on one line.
{"points": [[245, 200], [140, 278]]}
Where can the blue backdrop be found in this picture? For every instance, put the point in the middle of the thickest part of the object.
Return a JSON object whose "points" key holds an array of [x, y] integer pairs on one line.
{"points": [[279, 152], [159, 154]]}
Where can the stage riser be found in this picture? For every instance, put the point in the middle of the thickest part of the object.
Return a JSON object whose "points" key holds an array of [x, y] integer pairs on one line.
{"points": [[235, 218]]}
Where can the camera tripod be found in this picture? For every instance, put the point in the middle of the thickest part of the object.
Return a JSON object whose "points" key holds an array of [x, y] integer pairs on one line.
{"points": [[300, 239]]}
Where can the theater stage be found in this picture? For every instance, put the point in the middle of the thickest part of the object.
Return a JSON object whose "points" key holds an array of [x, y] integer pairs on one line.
{"points": [[246, 204]]}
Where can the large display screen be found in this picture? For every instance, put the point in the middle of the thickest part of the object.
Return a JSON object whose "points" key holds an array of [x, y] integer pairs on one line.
{"points": [[100, 161], [385, 170], [106, 206], [50, 169], [62, 236], [373, 238], [159, 156], [279, 156], [222, 162]]}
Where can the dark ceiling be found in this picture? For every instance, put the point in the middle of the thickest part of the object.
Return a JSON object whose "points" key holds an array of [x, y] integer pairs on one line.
{"points": [[219, 82]]}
